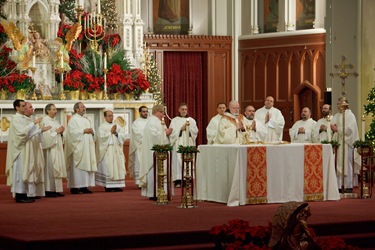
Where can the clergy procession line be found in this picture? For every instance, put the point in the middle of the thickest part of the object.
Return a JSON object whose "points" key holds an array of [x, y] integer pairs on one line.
{"points": [[37, 162]]}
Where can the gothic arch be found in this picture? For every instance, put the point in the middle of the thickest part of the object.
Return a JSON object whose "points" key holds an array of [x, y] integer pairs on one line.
{"points": [[306, 95]]}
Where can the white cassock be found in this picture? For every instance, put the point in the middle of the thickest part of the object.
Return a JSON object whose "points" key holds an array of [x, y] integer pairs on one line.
{"points": [[259, 134], [154, 133], [52, 144], [25, 163], [227, 132], [319, 136], [307, 137], [80, 153], [274, 126], [110, 156], [211, 129], [350, 135], [136, 136], [177, 138]]}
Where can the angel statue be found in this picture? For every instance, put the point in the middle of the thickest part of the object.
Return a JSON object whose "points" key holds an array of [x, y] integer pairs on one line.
{"points": [[20, 44], [289, 227], [62, 60]]}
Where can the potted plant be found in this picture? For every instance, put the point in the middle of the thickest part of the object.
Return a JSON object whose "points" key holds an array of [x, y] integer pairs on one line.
{"points": [[363, 147], [162, 150], [21, 83], [187, 152]]}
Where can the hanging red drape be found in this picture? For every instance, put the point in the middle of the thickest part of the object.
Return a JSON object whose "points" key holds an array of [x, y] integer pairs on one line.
{"points": [[183, 82]]}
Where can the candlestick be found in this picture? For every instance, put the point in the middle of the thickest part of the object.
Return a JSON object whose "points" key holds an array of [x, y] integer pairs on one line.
{"points": [[99, 6], [187, 131], [105, 60], [162, 131], [363, 127], [329, 136], [34, 59]]}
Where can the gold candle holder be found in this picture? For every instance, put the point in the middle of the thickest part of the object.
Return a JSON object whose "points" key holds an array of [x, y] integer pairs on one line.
{"points": [[105, 95], [187, 199], [61, 71], [162, 196], [33, 70]]}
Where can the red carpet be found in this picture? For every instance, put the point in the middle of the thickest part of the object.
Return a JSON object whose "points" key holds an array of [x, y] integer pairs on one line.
{"points": [[126, 220]]}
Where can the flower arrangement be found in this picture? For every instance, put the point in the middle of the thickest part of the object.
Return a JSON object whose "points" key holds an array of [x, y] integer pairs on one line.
{"points": [[238, 234], [162, 148], [73, 80], [334, 143], [20, 81], [187, 149], [361, 144]]}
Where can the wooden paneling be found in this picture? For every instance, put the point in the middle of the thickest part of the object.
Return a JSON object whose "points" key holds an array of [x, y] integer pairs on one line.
{"points": [[217, 71], [283, 67]]}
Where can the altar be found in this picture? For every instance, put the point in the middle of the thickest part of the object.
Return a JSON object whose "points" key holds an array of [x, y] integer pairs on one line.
{"points": [[222, 173]]}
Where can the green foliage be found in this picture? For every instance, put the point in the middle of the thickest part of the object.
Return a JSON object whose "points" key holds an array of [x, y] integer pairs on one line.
{"points": [[162, 148], [187, 149], [370, 109], [154, 79], [67, 7], [109, 12], [117, 55], [92, 63], [362, 144], [334, 143]]}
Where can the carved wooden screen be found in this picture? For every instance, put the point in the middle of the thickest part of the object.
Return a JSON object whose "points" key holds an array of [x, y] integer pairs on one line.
{"points": [[283, 67]]}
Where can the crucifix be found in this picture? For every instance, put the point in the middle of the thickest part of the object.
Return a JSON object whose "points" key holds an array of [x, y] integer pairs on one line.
{"points": [[343, 74]]}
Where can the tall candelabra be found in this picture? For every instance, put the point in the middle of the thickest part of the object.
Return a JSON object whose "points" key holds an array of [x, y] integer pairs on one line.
{"points": [[94, 29]]}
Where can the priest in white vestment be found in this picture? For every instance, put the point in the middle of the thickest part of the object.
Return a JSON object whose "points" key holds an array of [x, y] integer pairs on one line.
{"points": [[155, 133], [272, 119], [36, 177], [211, 130], [231, 128], [53, 150], [185, 132], [253, 127], [136, 137], [302, 130], [24, 161], [80, 152], [349, 135], [110, 155], [322, 130]]}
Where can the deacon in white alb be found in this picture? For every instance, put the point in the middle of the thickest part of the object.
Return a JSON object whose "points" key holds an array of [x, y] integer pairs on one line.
{"points": [[302, 130]]}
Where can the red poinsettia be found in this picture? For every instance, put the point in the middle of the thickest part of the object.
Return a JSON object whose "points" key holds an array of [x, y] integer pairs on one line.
{"points": [[118, 80], [73, 80], [238, 234], [93, 84]]}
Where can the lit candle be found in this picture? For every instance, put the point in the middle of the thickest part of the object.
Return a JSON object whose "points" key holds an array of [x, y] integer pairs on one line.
{"points": [[34, 59], [162, 131], [105, 60], [187, 131], [99, 6], [363, 127], [329, 136]]}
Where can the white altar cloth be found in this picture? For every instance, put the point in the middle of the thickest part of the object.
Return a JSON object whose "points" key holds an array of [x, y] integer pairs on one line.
{"points": [[222, 171]]}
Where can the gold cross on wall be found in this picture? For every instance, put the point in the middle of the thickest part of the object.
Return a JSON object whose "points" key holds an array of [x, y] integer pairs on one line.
{"points": [[342, 73]]}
